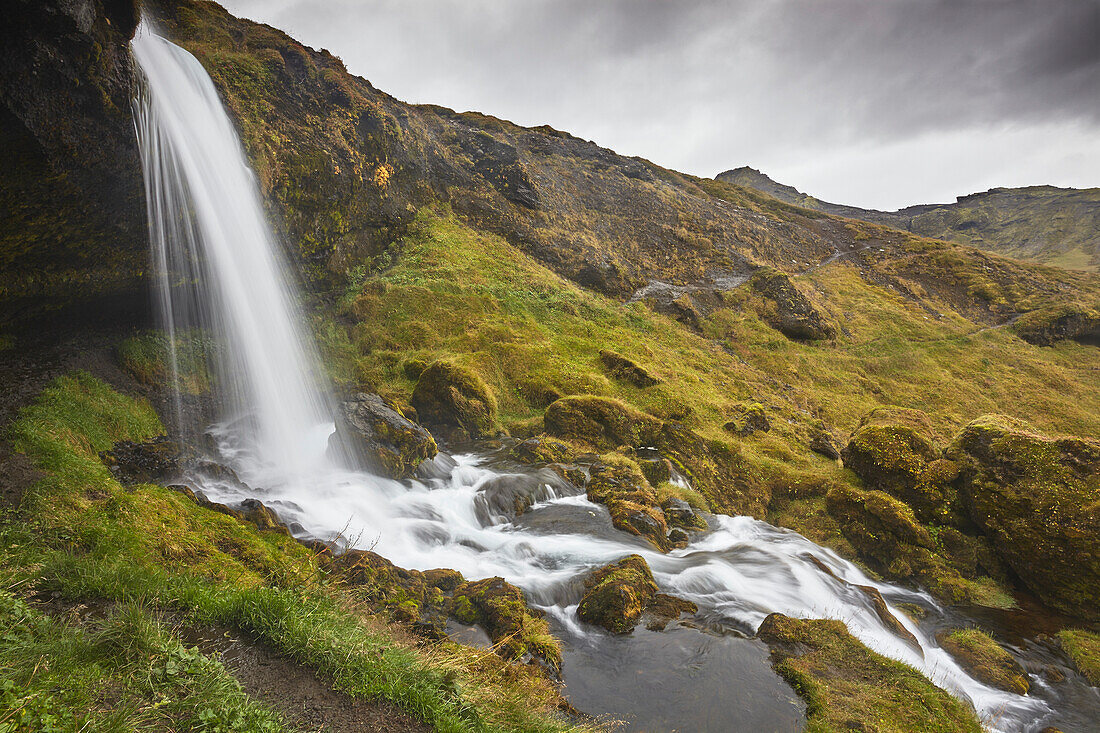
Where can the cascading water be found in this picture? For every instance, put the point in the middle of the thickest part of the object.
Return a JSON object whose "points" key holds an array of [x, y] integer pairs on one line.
{"points": [[220, 269]]}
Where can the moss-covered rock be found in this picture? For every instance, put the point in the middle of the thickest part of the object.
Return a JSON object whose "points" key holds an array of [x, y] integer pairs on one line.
{"points": [[1083, 647], [618, 483], [542, 449], [985, 659], [848, 687], [789, 310], [748, 418], [450, 396], [625, 370], [501, 609], [602, 422], [1038, 501], [616, 597], [372, 433], [890, 449], [1048, 326], [715, 468]]}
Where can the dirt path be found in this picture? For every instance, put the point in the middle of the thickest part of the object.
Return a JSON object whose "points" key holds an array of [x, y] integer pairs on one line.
{"points": [[296, 691]]}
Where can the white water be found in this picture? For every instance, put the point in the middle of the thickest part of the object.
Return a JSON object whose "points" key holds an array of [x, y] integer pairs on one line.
{"points": [[204, 208], [219, 265]]}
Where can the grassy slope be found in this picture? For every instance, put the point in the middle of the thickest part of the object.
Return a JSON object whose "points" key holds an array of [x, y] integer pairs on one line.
{"points": [[146, 550]]}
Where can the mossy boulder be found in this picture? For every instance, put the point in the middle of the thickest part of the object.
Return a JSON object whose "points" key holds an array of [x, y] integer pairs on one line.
{"points": [[618, 483], [449, 397], [372, 433], [1083, 647], [1037, 499], [542, 449], [616, 597], [501, 609], [715, 468], [984, 659], [601, 422], [851, 688], [789, 310], [748, 418], [1048, 326], [626, 370]]}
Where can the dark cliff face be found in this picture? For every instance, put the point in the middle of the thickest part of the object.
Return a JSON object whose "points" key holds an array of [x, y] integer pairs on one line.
{"points": [[71, 194]]}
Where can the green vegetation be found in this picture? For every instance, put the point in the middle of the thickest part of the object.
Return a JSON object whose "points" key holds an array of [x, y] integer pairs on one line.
{"points": [[615, 596], [147, 550], [847, 687], [1083, 647], [145, 357], [986, 660]]}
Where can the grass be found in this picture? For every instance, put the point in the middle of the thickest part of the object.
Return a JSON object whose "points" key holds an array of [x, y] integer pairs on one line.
{"points": [[146, 357], [1083, 647], [80, 535]]}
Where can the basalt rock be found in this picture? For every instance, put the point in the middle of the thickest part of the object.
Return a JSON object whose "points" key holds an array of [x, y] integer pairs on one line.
{"points": [[501, 609], [618, 595], [1038, 501], [749, 418], [372, 433], [823, 442], [849, 687], [451, 397], [1048, 326], [602, 422], [542, 449], [157, 461], [788, 310]]}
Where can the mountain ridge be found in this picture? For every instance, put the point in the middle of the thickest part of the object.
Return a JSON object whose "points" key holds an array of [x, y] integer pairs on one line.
{"points": [[1041, 223]]}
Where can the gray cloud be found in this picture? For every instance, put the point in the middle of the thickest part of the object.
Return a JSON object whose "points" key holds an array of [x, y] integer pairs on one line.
{"points": [[948, 95]]}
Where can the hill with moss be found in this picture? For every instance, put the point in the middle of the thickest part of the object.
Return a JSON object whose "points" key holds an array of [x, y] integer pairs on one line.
{"points": [[1055, 226]]}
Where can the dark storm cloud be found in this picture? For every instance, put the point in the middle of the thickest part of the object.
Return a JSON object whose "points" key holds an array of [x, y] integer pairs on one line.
{"points": [[702, 85]]}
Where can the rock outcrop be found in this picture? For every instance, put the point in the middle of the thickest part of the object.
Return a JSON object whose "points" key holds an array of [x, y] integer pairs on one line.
{"points": [[372, 433], [985, 659], [1037, 499], [788, 309]]}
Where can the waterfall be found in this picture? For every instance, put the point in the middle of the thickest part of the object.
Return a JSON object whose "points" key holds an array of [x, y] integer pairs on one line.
{"points": [[220, 270], [219, 267]]}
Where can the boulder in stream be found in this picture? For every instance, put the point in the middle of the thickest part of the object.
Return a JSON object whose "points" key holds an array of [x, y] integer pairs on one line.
{"points": [[371, 433], [454, 401], [984, 659], [617, 595]]}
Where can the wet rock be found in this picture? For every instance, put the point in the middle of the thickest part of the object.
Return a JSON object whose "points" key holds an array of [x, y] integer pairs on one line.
{"points": [[985, 659], [618, 484], [157, 461], [849, 687], [372, 433], [1038, 501], [678, 538], [657, 471], [678, 513], [599, 421], [881, 527], [790, 312], [450, 396], [261, 515], [617, 595], [625, 370], [748, 418]]}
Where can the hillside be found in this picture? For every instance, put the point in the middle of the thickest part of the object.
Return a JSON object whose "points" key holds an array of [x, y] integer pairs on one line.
{"points": [[1054, 226], [908, 402]]}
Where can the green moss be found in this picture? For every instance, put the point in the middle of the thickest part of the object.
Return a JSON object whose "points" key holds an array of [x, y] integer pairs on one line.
{"points": [[146, 358], [1083, 647], [450, 395], [849, 687], [81, 536], [985, 659], [618, 483], [1035, 498]]}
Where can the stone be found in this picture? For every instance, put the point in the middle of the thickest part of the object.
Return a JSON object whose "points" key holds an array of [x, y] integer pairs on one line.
{"points": [[452, 397], [371, 433]]}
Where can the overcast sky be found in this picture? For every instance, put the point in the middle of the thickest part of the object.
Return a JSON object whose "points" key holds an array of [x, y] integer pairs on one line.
{"points": [[878, 103]]}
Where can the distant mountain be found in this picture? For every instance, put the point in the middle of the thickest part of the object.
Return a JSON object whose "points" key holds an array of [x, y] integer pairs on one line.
{"points": [[1055, 226]]}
